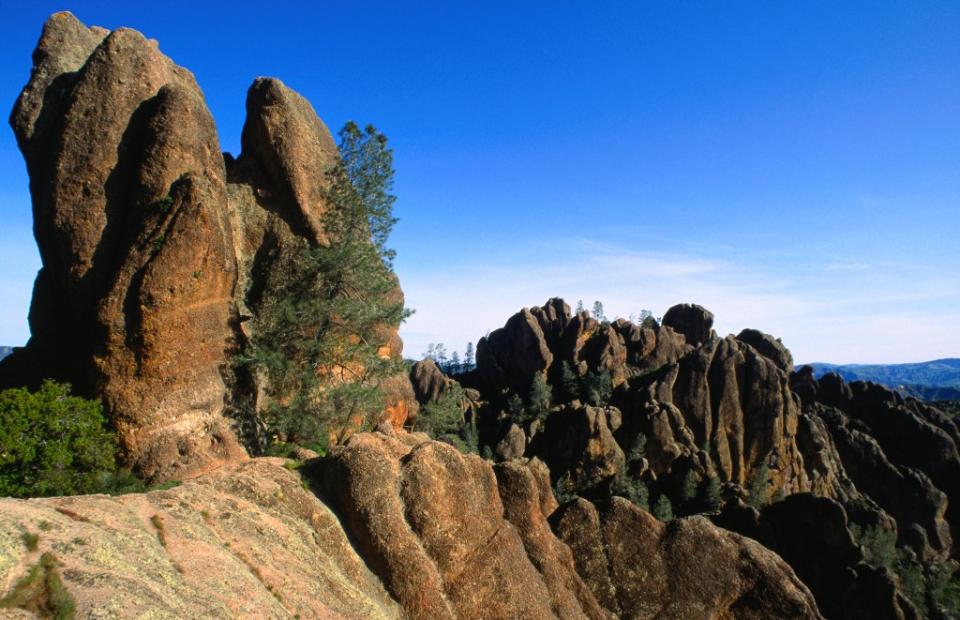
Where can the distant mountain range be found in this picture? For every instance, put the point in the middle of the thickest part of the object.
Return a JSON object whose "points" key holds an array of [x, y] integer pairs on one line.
{"points": [[933, 380], [5, 351]]}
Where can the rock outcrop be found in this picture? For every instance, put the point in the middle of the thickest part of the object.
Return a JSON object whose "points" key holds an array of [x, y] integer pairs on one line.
{"points": [[128, 185], [741, 579], [390, 525], [452, 536], [245, 541], [157, 249], [706, 422]]}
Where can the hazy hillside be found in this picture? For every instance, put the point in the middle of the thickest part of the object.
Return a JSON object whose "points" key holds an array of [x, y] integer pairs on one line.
{"points": [[915, 379], [5, 351]]}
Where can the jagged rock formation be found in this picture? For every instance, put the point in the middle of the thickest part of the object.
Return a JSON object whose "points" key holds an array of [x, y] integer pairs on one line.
{"points": [[156, 251], [690, 411], [714, 406]]}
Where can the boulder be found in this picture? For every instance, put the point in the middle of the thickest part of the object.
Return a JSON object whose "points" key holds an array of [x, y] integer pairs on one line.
{"points": [[577, 442], [428, 381], [509, 357], [639, 567], [157, 249], [693, 321], [768, 346]]}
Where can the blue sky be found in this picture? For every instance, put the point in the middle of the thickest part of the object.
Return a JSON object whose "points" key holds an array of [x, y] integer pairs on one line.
{"points": [[793, 167]]}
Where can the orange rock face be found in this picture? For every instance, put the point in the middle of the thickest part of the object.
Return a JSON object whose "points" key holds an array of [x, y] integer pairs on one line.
{"points": [[155, 250]]}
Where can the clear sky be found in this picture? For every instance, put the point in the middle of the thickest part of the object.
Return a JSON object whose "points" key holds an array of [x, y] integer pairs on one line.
{"points": [[792, 166]]}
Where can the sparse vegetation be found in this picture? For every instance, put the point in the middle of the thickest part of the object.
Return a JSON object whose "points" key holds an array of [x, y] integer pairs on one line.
{"points": [[632, 489], [161, 205], [712, 494], [663, 509], [30, 540], [158, 243], [563, 489], [597, 387], [319, 336], [759, 487], [52, 443], [688, 491], [538, 398], [444, 420], [41, 592]]}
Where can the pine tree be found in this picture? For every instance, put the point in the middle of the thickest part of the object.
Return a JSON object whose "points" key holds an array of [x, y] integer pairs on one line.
{"points": [[663, 509], [455, 366], [440, 355], [515, 407], [712, 498], [579, 306], [468, 357], [689, 489], [646, 319], [318, 337], [598, 387], [637, 449], [538, 399], [569, 383], [598, 311]]}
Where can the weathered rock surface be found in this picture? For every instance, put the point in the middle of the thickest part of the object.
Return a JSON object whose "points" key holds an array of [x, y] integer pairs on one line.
{"points": [[417, 530], [429, 382], [245, 541], [638, 567], [128, 185], [693, 321], [430, 522], [701, 419], [156, 252], [900, 453], [717, 406], [577, 442]]}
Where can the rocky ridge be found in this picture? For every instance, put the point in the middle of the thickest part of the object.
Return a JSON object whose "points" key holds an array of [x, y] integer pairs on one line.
{"points": [[725, 426], [390, 525]]}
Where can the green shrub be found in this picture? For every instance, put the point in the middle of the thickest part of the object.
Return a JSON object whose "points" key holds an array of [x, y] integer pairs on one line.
{"points": [[632, 489], [712, 494], [52, 443], [597, 387], [638, 449], [689, 490], [663, 509], [879, 545], [162, 205]]}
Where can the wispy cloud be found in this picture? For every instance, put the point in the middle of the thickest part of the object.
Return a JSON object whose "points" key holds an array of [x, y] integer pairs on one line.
{"points": [[832, 317]]}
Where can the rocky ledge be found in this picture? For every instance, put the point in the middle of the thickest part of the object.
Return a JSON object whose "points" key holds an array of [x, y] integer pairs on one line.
{"points": [[389, 525]]}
